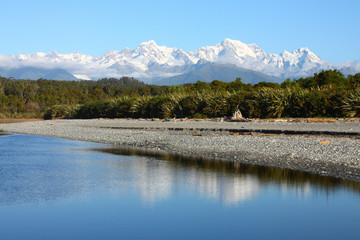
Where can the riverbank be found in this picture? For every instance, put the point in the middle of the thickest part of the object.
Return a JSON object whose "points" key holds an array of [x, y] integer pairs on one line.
{"points": [[328, 148], [17, 120]]}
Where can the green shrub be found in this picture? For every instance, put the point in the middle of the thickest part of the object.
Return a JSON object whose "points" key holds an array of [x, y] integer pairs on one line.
{"points": [[138, 106], [153, 108], [171, 106], [217, 105], [189, 105], [60, 111], [96, 109], [120, 108], [351, 104]]}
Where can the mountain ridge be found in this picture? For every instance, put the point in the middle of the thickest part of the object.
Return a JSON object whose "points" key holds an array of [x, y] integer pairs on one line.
{"points": [[214, 71], [149, 61], [34, 73]]}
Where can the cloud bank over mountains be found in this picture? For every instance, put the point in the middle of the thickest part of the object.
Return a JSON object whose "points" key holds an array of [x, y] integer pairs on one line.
{"points": [[150, 61]]}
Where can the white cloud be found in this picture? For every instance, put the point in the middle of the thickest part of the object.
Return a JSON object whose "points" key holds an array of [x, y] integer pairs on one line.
{"points": [[8, 62]]}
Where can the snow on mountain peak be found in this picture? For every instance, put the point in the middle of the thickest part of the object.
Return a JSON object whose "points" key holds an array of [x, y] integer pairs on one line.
{"points": [[227, 42], [149, 59], [150, 42], [235, 45], [304, 49], [112, 52]]}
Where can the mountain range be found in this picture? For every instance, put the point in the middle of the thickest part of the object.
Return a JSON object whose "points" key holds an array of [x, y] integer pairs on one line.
{"points": [[164, 65], [36, 73]]}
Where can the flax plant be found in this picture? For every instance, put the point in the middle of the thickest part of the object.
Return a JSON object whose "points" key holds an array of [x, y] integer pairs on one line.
{"points": [[274, 102], [120, 107], [138, 106], [217, 104], [169, 107], [352, 104]]}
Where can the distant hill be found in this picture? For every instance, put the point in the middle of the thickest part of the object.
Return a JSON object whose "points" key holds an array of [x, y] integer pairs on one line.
{"points": [[223, 72], [32, 73]]}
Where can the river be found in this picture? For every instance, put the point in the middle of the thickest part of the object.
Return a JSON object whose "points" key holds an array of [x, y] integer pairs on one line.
{"points": [[53, 188]]}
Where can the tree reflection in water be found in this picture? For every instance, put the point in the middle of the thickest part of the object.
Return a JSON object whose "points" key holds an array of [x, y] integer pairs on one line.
{"points": [[231, 182]]}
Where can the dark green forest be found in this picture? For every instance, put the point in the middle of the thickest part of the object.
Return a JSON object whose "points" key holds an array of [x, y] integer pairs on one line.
{"points": [[326, 94]]}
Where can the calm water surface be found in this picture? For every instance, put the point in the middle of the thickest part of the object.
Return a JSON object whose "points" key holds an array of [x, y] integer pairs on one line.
{"points": [[61, 189]]}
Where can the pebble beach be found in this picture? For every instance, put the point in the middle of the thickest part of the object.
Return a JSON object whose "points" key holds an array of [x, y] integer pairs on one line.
{"points": [[326, 148]]}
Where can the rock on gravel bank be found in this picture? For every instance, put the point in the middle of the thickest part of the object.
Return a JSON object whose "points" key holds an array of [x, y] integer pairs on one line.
{"points": [[330, 148]]}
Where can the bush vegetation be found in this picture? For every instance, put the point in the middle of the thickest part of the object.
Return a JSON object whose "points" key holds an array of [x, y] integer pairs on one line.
{"points": [[326, 94]]}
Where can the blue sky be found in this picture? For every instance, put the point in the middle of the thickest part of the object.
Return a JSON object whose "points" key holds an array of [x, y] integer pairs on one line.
{"points": [[330, 28]]}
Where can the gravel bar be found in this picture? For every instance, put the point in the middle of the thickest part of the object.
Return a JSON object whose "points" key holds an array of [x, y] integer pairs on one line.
{"points": [[326, 148]]}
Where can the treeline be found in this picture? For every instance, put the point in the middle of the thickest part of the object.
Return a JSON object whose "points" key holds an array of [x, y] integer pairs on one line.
{"points": [[30, 98], [326, 94]]}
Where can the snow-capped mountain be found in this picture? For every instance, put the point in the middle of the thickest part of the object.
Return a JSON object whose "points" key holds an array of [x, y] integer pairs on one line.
{"points": [[149, 61]]}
